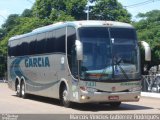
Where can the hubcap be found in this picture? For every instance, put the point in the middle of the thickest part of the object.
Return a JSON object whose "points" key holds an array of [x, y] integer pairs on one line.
{"points": [[23, 90], [18, 88], [65, 95]]}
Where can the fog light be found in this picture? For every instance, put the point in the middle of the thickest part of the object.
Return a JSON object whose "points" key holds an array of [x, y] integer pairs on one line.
{"points": [[84, 97], [137, 97]]}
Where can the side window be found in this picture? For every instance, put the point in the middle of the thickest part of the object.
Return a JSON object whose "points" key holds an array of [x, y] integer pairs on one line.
{"points": [[50, 39], [71, 52], [12, 48], [59, 44], [55, 41], [15, 47], [41, 42], [23, 47], [19, 48], [32, 45], [71, 37], [25, 50]]}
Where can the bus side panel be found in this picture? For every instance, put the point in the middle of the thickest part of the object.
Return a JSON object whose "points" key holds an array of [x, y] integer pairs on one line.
{"points": [[42, 73], [11, 75]]}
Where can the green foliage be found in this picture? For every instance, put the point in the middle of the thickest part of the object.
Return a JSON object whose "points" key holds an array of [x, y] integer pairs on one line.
{"points": [[10, 22], [57, 8], [60, 16], [110, 10], [148, 29], [2, 33], [42, 8], [27, 13]]}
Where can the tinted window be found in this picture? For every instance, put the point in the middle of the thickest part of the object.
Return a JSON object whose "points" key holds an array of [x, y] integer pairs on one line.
{"points": [[94, 32], [24, 48], [41, 43], [53, 41], [32, 45], [123, 35], [60, 40], [49, 48], [71, 37], [72, 61], [13, 48]]}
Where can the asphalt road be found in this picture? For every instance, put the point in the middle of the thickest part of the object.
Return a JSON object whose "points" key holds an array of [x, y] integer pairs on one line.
{"points": [[10, 103]]}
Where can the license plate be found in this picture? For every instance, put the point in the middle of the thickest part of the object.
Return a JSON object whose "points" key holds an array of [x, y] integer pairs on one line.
{"points": [[113, 97]]}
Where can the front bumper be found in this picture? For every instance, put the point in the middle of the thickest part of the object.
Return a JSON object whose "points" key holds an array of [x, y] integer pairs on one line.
{"points": [[86, 97]]}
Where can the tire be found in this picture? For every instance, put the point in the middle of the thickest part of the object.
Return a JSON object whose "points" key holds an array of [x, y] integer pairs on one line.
{"points": [[18, 89], [64, 97], [115, 104], [23, 90]]}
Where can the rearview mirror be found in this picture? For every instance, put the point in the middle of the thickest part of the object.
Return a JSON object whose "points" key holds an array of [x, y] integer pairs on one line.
{"points": [[147, 50], [79, 50]]}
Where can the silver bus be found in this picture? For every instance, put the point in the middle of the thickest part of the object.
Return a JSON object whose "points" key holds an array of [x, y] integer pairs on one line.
{"points": [[78, 61]]}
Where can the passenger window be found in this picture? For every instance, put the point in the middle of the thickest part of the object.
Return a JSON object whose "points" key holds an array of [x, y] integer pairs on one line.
{"points": [[41, 43]]}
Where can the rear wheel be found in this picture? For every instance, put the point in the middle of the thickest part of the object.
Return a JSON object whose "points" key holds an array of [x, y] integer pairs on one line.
{"points": [[18, 89], [64, 97]]}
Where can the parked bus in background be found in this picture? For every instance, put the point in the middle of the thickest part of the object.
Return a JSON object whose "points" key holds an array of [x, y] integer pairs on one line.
{"points": [[78, 61]]}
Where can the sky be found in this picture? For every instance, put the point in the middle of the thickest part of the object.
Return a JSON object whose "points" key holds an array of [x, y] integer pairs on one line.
{"points": [[8, 7]]}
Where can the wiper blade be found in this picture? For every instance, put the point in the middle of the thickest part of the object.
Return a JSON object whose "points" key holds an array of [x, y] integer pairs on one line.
{"points": [[117, 62], [122, 70]]}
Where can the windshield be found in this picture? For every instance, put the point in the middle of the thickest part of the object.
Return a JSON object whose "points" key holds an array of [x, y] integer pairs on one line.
{"points": [[109, 53]]}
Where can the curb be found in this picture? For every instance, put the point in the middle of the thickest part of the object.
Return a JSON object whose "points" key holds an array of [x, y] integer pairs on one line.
{"points": [[149, 94]]}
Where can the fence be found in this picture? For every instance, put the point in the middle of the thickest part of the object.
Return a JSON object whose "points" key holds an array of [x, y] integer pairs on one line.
{"points": [[151, 83]]}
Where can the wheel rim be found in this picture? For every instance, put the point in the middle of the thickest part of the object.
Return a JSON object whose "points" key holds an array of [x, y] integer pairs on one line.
{"points": [[23, 89], [18, 88], [65, 94]]}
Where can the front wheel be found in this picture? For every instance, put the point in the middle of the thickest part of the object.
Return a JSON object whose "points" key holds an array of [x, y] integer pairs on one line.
{"points": [[64, 97]]}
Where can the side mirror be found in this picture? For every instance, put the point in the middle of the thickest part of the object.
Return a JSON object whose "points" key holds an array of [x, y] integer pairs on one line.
{"points": [[79, 50], [147, 50]]}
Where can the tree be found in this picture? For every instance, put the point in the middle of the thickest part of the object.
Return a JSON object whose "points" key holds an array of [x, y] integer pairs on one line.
{"points": [[10, 22], [110, 10], [27, 13], [148, 29], [42, 8], [2, 33], [60, 16], [72, 8]]}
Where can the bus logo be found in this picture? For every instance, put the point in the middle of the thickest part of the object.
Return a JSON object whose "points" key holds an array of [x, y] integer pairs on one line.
{"points": [[37, 62]]}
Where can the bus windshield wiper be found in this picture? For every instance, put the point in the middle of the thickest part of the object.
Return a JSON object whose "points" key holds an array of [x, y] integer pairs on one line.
{"points": [[117, 63]]}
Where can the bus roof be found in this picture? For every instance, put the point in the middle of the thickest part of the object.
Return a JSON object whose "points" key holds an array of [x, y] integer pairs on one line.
{"points": [[76, 24]]}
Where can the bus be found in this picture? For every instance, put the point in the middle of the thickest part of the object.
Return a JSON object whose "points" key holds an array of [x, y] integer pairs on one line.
{"points": [[77, 62]]}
